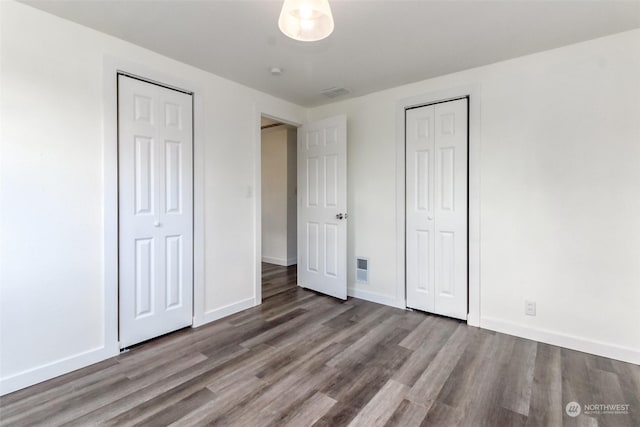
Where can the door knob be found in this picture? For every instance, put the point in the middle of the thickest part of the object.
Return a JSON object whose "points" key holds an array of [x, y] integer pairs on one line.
{"points": [[157, 224], [430, 217], [339, 216]]}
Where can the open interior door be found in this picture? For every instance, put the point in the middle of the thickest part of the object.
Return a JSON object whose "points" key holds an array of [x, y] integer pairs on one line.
{"points": [[322, 206]]}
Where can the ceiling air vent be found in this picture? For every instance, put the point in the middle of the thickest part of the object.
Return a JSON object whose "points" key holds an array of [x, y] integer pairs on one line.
{"points": [[334, 92]]}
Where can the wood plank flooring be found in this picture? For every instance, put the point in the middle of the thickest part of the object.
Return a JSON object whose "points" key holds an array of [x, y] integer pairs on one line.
{"points": [[304, 359]]}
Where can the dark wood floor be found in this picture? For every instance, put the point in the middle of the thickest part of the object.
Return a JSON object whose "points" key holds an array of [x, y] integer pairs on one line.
{"points": [[304, 359]]}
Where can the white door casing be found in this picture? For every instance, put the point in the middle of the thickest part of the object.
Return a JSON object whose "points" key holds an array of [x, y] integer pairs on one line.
{"points": [[436, 208], [155, 163], [322, 206]]}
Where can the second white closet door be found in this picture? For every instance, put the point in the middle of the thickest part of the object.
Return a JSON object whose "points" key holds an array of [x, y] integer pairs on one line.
{"points": [[436, 208], [155, 143]]}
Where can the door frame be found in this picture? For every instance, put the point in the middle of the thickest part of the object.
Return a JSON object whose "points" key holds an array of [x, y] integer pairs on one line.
{"points": [[111, 68], [472, 92], [286, 117]]}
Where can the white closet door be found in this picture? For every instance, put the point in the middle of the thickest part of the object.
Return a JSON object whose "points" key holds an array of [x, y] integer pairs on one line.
{"points": [[322, 210], [451, 208], [420, 222], [437, 208], [155, 210]]}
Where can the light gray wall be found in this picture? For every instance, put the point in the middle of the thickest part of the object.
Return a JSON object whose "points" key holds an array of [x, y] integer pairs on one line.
{"points": [[559, 192], [52, 305], [274, 195], [292, 188]]}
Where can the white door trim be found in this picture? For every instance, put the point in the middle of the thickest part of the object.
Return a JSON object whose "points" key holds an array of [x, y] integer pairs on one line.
{"points": [[111, 67], [286, 117], [473, 92]]}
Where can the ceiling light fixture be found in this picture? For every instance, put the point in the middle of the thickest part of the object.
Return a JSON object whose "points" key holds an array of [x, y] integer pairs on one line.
{"points": [[306, 20]]}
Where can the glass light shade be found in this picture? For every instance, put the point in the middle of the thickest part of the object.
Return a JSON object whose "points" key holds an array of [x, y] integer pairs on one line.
{"points": [[306, 20]]}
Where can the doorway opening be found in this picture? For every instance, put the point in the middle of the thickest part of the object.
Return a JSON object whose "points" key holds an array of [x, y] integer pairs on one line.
{"points": [[279, 177]]}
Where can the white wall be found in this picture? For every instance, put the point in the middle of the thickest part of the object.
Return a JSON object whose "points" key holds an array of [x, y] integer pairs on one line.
{"points": [[278, 195], [52, 308], [559, 192]]}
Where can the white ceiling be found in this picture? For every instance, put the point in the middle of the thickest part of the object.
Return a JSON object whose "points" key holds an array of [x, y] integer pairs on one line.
{"points": [[375, 45]]}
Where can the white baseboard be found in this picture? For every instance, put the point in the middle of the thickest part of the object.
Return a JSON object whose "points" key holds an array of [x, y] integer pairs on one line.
{"points": [[598, 348], [56, 368], [280, 261], [375, 297], [227, 310]]}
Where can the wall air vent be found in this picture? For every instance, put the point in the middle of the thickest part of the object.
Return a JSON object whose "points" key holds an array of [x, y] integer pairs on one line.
{"points": [[362, 270], [334, 92]]}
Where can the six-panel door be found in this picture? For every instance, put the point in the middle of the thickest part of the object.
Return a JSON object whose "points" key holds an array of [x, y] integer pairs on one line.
{"points": [[322, 215], [436, 208], [155, 210]]}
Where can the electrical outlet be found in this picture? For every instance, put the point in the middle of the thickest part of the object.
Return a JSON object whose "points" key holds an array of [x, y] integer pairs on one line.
{"points": [[530, 308]]}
